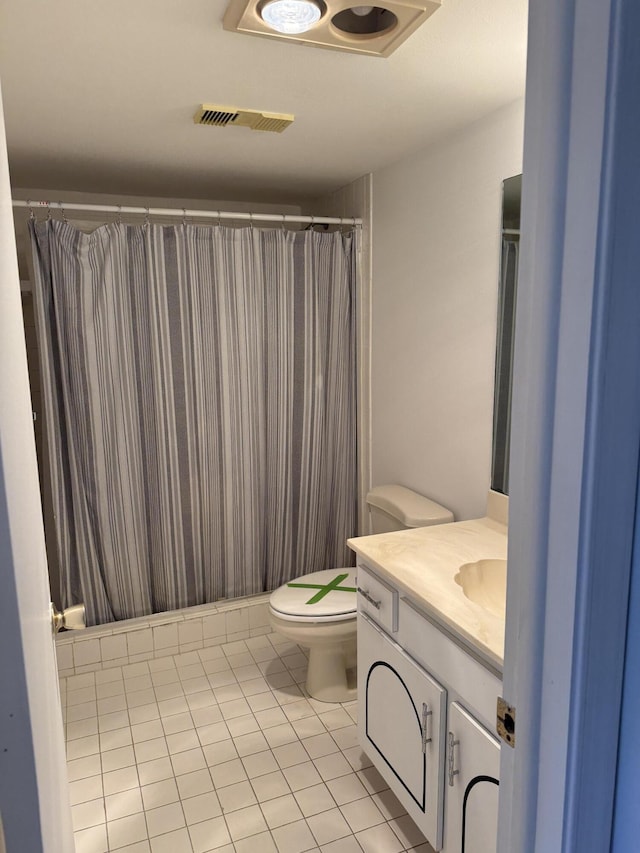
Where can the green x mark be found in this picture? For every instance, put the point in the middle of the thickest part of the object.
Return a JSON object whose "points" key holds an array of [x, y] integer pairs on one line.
{"points": [[325, 590]]}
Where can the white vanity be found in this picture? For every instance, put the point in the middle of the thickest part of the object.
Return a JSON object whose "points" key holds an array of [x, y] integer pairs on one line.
{"points": [[429, 672]]}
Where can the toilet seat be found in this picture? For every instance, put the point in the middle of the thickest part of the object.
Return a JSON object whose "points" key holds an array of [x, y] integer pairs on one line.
{"points": [[327, 596]]}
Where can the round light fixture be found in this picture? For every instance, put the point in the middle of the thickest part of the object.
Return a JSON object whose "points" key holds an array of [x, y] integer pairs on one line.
{"points": [[291, 16]]}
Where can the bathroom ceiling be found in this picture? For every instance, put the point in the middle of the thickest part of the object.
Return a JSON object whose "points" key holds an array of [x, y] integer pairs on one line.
{"points": [[100, 97]]}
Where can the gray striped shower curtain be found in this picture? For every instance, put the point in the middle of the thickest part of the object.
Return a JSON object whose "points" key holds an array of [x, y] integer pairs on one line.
{"points": [[199, 389]]}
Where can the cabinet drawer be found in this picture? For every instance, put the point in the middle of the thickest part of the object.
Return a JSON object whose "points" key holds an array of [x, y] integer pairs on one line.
{"points": [[432, 648], [377, 599]]}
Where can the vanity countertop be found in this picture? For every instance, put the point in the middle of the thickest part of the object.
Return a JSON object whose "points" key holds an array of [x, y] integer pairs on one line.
{"points": [[423, 563]]}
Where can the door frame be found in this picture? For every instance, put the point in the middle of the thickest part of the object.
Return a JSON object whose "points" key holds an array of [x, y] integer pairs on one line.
{"points": [[576, 426], [34, 796]]}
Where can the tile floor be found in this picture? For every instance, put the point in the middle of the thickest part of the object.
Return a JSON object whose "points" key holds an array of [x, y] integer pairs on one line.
{"points": [[221, 749]]}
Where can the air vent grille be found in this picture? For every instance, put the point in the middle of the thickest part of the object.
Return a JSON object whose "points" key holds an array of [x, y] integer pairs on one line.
{"points": [[217, 116]]}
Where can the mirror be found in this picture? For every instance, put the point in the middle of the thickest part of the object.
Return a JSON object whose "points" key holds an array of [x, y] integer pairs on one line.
{"points": [[510, 248]]}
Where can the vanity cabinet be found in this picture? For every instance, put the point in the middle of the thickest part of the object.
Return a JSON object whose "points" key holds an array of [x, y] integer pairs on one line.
{"points": [[425, 709], [402, 715], [473, 771]]}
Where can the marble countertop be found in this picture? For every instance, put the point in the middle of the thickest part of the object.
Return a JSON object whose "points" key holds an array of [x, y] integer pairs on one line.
{"points": [[423, 563]]}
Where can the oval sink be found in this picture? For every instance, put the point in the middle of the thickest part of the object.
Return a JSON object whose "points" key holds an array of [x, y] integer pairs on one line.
{"points": [[485, 583]]}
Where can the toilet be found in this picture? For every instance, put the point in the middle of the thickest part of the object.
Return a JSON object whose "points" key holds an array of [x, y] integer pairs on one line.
{"points": [[318, 610]]}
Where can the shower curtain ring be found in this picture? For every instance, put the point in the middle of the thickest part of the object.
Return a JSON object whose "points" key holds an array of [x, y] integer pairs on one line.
{"points": [[31, 213], [146, 218], [184, 216], [284, 222], [219, 222], [48, 211], [119, 219], [313, 221], [64, 215], [251, 221]]}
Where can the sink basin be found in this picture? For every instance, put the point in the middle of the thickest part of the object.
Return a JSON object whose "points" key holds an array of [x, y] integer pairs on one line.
{"points": [[485, 583]]}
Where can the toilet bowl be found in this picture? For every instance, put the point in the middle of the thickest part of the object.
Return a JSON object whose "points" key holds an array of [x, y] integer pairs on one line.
{"points": [[318, 611]]}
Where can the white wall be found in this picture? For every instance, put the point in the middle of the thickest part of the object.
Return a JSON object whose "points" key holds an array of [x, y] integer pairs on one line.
{"points": [[436, 223]]}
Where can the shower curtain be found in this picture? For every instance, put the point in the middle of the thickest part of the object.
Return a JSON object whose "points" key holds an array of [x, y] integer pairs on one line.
{"points": [[199, 389]]}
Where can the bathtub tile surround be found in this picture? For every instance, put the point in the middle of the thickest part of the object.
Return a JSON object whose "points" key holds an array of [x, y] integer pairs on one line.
{"points": [[218, 748], [172, 633]]}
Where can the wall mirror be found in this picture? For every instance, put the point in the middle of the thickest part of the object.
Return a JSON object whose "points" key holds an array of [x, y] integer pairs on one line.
{"points": [[510, 248]]}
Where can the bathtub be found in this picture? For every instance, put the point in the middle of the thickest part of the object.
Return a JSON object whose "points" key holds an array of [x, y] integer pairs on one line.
{"points": [[172, 633]]}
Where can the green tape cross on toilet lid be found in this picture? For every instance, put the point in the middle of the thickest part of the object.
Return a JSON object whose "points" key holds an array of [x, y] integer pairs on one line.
{"points": [[328, 593]]}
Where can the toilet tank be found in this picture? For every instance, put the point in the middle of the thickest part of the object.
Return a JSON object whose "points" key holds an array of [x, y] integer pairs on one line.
{"points": [[398, 508]]}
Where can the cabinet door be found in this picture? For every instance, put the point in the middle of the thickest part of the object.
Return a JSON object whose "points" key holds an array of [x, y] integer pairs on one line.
{"points": [[401, 726], [473, 769]]}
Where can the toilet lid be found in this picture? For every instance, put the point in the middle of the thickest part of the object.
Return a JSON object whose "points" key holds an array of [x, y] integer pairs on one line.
{"points": [[329, 595]]}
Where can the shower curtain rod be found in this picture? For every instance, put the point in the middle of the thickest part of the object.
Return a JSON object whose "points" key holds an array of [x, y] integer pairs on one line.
{"points": [[181, 212]]}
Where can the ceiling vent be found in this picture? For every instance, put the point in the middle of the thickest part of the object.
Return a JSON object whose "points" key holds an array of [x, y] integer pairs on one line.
{"points": [[341, 25], [217, 116]]}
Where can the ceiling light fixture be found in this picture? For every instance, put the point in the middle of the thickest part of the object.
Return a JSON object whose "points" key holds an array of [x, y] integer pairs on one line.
{"points": [[348, 25], [291, 16]]}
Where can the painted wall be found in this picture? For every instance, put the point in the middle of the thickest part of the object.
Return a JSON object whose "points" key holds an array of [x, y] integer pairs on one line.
{"points": [[436, 223]]}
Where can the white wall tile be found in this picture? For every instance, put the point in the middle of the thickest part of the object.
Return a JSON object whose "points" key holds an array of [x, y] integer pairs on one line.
{"points": [[165, 636], [214, 626], [237, 620], [139, 642], [258, 615], [64, 655], [113, 647], [86, 652], [190, 632]]}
